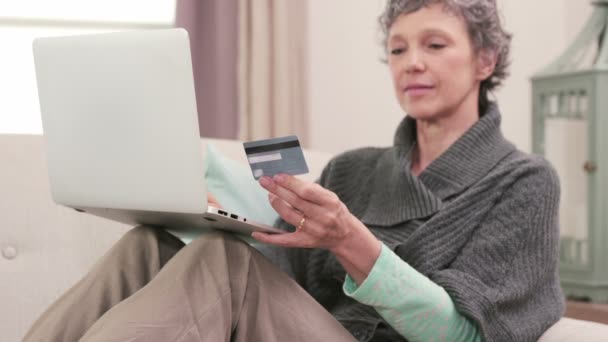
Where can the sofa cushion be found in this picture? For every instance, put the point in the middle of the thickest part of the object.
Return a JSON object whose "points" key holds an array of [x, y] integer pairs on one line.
{"points": [[49, 247], [568, 329]]}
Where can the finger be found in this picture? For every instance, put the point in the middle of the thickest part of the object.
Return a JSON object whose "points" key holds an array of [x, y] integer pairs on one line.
{"points": [[294, 217], [311, 192], [287, 212], [326, 215], [293, 199], [284, 240], [304, 206], [310, 236], [211, 199]]}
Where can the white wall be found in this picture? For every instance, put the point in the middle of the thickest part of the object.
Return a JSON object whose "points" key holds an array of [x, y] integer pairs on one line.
{"points": [[351, 98]]}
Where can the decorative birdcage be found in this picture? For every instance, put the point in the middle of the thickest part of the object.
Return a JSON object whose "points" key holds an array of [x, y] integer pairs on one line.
{"points": [[570, 128]]}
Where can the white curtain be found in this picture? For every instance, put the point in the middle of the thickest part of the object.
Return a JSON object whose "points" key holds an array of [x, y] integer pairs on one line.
{"points": [[272, 69]]}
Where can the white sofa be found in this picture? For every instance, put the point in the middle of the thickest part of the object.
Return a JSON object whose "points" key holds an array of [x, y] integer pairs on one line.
{"points": [[45, 247]]}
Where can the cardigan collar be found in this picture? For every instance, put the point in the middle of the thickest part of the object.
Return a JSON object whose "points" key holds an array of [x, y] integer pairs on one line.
{"points": [[398, 195]]}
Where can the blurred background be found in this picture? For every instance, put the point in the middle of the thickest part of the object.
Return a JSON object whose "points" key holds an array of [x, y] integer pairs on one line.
{"points": [[268, 68]]}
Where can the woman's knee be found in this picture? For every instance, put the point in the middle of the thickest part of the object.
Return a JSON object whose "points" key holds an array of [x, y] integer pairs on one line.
{"points": [[219, 237], [150, 235], [215, 249], [138, 233], [146, 243]]}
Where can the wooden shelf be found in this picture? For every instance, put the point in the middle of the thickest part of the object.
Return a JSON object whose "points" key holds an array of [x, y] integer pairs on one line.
{"points": [[587, 311]]}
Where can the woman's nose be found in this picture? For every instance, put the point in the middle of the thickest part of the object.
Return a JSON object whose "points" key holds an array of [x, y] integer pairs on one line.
{"points": [[413, 62]]}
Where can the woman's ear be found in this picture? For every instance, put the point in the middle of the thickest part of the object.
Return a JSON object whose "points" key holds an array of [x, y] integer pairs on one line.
{"points": [[486, 63]]}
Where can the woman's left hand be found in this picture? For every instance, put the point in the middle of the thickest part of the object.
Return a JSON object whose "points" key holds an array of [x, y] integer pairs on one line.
{"points": [[321, 221], [320, 218]]}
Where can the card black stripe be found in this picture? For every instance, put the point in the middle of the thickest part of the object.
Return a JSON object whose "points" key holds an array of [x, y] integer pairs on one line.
{"points": [[272, 147]]}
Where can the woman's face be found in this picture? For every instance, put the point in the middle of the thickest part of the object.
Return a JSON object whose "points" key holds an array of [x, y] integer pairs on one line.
{"points": [[434, 67]]}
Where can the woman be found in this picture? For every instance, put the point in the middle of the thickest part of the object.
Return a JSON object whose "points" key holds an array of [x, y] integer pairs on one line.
{"points": [[451, 234]]}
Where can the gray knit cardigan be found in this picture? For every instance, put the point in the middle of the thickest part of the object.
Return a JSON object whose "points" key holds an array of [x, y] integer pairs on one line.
{"points": [[481, 221]]}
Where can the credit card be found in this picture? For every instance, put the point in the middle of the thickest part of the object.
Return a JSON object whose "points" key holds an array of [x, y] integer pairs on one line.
{"points": [[269, 157]]}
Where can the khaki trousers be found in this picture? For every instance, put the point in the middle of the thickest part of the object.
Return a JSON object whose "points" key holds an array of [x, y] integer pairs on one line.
{"points": [[149, 287]]}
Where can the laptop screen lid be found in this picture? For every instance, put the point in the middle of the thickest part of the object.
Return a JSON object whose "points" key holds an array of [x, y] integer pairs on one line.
{"points": [[120, 121]]}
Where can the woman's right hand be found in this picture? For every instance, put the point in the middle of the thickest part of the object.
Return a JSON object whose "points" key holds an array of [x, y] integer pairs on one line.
{"points": [[211, 200]]}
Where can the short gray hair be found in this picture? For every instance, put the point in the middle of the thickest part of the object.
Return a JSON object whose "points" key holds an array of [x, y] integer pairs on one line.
{"points": [[484, 26]]}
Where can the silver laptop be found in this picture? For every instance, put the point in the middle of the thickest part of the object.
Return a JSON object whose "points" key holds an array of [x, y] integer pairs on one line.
{"points": [[121, 130]]}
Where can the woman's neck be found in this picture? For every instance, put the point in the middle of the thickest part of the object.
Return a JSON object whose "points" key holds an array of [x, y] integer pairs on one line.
{"points": [[433, 137]]}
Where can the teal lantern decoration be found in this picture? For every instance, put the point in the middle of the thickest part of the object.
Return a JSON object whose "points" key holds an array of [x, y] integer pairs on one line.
{"points": [[570, 128]]}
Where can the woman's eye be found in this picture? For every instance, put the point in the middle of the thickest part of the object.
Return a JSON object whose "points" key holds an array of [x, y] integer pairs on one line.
{"points": [[397, 51], [436, 46]]}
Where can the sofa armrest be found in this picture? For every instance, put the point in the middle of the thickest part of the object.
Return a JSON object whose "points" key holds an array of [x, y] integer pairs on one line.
{"points": [[568, 329]]}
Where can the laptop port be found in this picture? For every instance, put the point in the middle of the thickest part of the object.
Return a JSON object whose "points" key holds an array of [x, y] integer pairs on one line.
{"points": [[221, 212], [236, 217]]}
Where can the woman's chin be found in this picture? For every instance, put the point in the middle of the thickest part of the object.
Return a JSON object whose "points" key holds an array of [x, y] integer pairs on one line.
{"points": [[418, 108], [420, 113]]}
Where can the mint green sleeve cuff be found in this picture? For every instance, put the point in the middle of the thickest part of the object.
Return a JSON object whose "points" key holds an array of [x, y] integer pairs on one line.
{"points": [[412, 304]]}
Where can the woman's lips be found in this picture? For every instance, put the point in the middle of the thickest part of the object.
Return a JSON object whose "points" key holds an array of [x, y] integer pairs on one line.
{"points": [[418, 90]]}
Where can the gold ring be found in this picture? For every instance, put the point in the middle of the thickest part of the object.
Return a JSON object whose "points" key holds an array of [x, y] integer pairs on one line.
{"points": [[301, 224]]}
